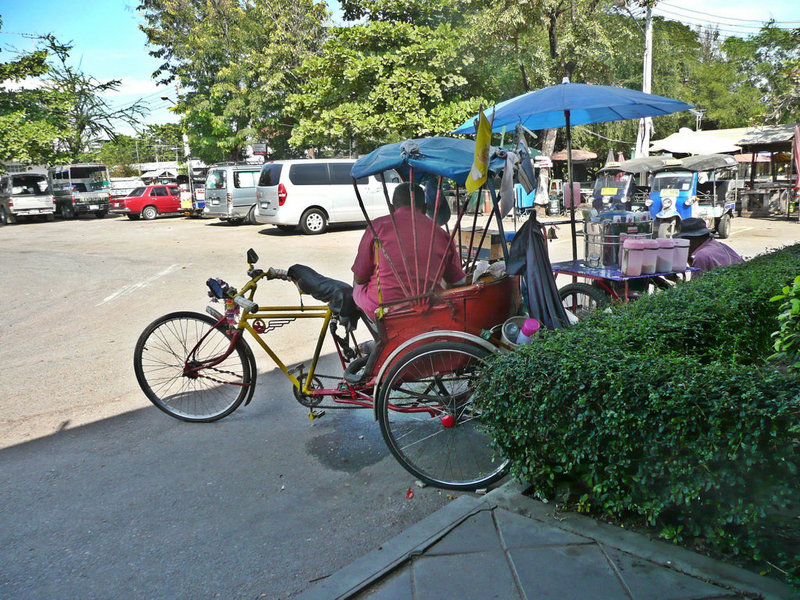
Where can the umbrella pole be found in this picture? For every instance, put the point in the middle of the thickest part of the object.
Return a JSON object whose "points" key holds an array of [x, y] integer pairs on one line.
{"points": [[571, 190]]}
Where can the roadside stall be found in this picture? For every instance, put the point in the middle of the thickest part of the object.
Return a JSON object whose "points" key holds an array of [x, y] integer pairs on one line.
{"points": [[762, 196]]}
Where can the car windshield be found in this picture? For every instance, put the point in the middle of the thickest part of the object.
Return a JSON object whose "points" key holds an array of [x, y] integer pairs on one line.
{"points": [[95, 178], [29, 184], [681, 181], [137, 192]]}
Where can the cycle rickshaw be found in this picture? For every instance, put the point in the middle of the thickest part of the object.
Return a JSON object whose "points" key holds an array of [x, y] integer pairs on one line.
{"points": [[418, 378]]}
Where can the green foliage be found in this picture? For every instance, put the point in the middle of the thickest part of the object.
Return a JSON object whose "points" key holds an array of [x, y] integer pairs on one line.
{"points": [[787, 338], [379, 83], [664, 413], [28, 128], [236, 63]]}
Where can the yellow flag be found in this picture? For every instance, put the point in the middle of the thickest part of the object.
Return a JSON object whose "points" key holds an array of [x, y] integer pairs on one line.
{"points": [[480, 166]]}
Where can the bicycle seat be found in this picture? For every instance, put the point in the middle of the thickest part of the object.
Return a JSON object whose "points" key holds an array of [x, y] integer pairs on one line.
{"points": [[337, 294]]}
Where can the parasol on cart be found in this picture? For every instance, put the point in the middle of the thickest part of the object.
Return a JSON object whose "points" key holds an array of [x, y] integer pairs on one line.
{"points": [[570, 104]]}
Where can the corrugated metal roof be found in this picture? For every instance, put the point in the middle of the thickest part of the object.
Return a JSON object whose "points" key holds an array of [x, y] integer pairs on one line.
{"points": [[774, 136]]}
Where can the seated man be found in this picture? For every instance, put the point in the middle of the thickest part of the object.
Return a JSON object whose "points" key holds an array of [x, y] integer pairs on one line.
{"points": [[705, 252], [376, 284]]}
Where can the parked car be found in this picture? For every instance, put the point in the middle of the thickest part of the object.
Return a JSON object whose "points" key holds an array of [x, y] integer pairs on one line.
{"points": [[312, 194], [80, 189], [25, 195], [148, 202], [230, 192]]}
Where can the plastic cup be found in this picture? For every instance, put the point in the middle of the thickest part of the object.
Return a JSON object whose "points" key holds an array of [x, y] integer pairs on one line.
{"points": [[665, 256], [680, 260], [632, 258], [649, 256]]}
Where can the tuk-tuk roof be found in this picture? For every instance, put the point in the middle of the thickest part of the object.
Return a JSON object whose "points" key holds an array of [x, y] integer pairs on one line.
{"points": [[645, 164], [701, 162], [448, 157]]}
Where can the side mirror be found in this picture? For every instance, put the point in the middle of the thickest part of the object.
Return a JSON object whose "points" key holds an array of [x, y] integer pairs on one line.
{"points": [[252, 257]]}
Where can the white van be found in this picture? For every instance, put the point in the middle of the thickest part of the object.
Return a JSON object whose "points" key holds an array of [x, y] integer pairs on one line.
{"points": [[311, 194]]}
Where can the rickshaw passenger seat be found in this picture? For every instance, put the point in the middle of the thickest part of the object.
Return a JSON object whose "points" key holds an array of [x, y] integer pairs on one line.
{"points": [[337, 294]]}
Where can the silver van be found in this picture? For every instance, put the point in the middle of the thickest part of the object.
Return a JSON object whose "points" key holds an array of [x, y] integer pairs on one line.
{"points": [[312, 194], [230, 192], [25, 195]]}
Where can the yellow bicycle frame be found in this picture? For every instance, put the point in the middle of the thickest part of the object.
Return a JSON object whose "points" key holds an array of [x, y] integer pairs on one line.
{"points": [[286, 312]]}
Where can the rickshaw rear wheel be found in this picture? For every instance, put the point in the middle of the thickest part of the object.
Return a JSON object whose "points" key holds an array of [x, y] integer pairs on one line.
{"points": [[429, 420], [581, 298]]}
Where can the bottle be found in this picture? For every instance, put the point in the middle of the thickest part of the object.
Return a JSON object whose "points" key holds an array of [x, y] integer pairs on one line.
{"points": [[529, 327], [511, 330]]}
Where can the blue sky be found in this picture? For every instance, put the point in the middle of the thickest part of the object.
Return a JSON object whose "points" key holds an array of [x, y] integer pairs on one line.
{"points": [[108, 44]]}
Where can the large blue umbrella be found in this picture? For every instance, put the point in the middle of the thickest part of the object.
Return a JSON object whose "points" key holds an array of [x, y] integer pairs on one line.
{"points": [[570, 104]]}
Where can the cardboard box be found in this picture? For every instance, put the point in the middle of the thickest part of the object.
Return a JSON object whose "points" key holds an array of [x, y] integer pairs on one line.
{"points": [[490, 249]]}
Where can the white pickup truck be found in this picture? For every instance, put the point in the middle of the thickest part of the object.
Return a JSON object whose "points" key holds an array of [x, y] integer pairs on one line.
{"points": [[25, 195]]}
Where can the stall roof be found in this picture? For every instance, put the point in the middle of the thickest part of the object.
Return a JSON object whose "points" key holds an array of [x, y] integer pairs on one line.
{"points": [[687, 141], [775, 138]]}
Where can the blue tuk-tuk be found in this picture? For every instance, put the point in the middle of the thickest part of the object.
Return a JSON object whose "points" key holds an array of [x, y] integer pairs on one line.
{"points": [[702, 186]]}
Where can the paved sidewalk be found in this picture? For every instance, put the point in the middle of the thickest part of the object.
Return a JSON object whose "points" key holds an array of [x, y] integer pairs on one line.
{"points": [[508, 546]]}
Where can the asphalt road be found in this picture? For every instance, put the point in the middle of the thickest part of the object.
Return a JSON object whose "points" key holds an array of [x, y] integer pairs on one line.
{"points": [[104, 496]]}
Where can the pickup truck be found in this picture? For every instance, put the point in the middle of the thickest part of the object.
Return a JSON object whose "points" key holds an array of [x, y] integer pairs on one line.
{"points": [[25, 195], [81, 189]]}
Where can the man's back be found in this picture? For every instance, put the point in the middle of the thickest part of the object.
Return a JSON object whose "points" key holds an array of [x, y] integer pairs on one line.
{"points": [[416, 258], [713, 253]]}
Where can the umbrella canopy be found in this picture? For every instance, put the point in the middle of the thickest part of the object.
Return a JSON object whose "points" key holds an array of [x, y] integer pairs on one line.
{"points": [[686, 141], [447, 157], [545, 108], [570, 104]]}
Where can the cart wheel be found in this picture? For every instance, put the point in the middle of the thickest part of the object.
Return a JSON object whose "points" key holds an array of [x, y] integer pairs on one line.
{"points": [[429, 419], [581, 298]]}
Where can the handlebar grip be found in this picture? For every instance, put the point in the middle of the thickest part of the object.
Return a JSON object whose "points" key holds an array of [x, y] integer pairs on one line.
{"points": [[273, 273], [248, 305]]}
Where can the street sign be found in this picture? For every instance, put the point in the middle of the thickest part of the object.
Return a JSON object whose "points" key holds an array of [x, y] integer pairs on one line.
{"points": [[259, 149]]}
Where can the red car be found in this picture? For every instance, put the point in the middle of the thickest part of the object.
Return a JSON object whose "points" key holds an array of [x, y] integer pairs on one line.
{"points": [[149, 202]]}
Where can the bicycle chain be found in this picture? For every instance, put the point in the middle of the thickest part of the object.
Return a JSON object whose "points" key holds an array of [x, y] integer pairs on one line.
{"points": [[219, 380]]}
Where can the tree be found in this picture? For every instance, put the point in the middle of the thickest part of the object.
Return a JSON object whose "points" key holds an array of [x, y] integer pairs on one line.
{"points": [[87, 115], [381, 82], [235, 62], [28, 131], [769, 62]]}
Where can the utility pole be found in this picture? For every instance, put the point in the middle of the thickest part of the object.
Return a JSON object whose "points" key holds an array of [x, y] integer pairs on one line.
{"points": [[646, 124]]}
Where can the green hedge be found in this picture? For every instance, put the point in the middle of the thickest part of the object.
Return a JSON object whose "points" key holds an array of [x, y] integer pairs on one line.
{"points": [[664, 412]]}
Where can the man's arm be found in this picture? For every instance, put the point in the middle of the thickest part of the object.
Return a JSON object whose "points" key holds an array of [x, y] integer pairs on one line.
{"points": [[364, 263]]}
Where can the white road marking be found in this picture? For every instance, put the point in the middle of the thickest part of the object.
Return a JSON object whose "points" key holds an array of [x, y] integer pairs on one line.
{"points": [[127, 289]]}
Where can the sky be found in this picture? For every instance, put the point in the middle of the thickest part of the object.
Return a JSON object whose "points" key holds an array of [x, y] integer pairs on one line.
{"points": [[107, 43]]}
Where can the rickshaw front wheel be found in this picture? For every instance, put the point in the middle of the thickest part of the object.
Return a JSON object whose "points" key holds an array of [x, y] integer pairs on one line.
{"points": [[429, 420]]}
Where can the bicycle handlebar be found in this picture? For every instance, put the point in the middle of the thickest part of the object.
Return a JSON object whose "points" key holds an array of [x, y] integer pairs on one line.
{"points": [[273, 273], [248, 305]]}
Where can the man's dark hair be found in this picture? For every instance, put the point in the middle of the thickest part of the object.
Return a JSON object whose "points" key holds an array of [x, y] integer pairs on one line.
{"points": [[402, 196]]}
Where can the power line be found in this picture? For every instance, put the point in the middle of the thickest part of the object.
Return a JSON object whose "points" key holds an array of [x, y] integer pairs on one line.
{"points": [[699, 12]]}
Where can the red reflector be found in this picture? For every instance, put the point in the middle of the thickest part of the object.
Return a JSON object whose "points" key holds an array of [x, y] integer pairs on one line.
{"points": [[281, 194]]}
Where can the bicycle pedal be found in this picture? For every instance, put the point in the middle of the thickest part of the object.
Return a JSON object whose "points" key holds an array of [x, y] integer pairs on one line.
{"points": [[315, 414]]}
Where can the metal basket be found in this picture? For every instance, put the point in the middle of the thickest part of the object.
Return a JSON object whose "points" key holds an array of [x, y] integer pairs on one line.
{"points": [[602, 240]]}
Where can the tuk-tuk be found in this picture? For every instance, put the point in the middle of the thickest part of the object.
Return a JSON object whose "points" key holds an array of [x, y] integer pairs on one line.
{"points": [[616, 187], [702, 186]]}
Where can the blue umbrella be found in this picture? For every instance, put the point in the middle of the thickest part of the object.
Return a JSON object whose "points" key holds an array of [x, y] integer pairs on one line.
{"points": [[570, 104]]}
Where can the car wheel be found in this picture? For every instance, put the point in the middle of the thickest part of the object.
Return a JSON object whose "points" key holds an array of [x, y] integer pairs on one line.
{"points": [[133, 217], [6, 218], [313, 222], [251, 216], [149, 213], [724, 226], [67, 212]]}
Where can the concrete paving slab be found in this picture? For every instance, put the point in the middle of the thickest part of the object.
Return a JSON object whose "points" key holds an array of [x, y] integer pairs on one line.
{"points": [[471, 576]]}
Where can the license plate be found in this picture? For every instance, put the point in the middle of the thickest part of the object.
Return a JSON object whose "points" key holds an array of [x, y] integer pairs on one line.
{"points": [[265, 205], [94, 207]]}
